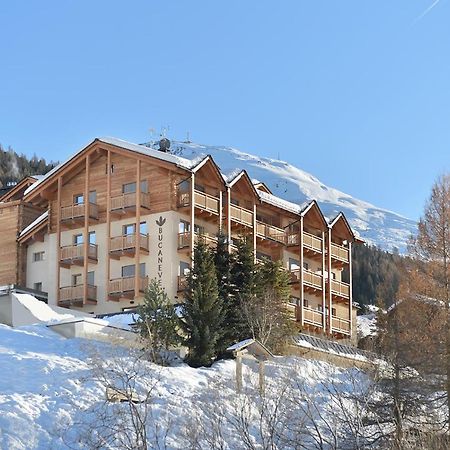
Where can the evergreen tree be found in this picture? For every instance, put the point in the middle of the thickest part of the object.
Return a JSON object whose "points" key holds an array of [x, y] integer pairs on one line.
{"points": [[223, 261], [157, 322], [243, 289], [202, 310]]}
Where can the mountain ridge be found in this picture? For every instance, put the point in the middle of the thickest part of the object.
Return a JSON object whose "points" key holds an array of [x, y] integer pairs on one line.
{"points": [[386, 229]]}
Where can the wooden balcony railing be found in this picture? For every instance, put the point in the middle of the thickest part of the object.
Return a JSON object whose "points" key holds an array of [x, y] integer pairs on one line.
{"points": [[339, 252], [184, 239], [272, 232], [202, 201], [73, 253], [182, 283], [309, 278], [309, 241], [74, 294], [340, 325], [340, 288], [127, 242], [123, 285], [241, 215], [127, 201], [292, 311], [312, 242], [76, 211], [312, 316]]}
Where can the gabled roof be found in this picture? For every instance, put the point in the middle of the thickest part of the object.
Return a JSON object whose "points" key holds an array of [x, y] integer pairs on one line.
{"points": [[36, 225], [141, 149], [260, 186], [234, 177], [209, 160], [341, 218], [281, 203], [22, 185]]}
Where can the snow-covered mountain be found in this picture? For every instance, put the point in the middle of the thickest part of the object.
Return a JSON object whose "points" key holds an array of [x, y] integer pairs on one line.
{"points": [[378, 226]]}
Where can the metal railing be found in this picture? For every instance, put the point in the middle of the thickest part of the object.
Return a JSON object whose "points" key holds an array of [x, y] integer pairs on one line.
{"points": [[76, 252], [128, 242], [76, 211], [128, 200]]}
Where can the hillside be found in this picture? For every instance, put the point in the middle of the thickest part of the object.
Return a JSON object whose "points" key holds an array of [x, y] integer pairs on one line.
{"points": [[50, 396], [14, 167], [377, 226]]}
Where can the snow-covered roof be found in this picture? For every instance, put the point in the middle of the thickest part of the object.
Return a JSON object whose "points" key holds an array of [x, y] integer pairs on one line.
{"points": [[36, 222], [281, 203], [142, 149], [240, 345]]}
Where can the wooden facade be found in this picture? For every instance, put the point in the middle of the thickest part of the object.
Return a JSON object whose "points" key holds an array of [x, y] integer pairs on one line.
{"points": [[109, 209]]}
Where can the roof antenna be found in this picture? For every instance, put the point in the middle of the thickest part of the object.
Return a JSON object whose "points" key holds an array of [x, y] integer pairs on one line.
{"points": [[187, 141]]}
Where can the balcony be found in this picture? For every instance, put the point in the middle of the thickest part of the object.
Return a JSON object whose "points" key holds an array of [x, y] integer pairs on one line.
{"points": [[182, 283], [241, 215], [271, 232], [126, 203], [125, 245], [312, 317], [74, 255], [339, 253], [340, 289], [339, 325], [74, 214], [74, 295], [184, 240], [203, 202], [311, 281], [311, 243], [124, 287]]}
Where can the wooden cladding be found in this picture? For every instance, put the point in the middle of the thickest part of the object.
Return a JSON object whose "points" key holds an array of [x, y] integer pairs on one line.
{"points": [[127, 243], [309, 278], [129, 201], [74, 254], [265, 231], [340, 325], [339, 252], [122, 286], [313, 316], [75, 294], [76, 212]]}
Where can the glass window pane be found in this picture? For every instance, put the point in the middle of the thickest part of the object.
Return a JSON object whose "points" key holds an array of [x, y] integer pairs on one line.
{"points": [[78, 199], [128, 271], [129, 188], [128, 229], [77, 239], [91, 278]]}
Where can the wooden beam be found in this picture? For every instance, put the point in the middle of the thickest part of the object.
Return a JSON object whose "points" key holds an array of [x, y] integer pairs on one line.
{"points": [[254, 231], [350, 281], [220, 211], [58, 238], [300, 273], [192, 219], [137, 229], [324, 324], [329, 299], [228, 218], [86, 231], [108, 224]]}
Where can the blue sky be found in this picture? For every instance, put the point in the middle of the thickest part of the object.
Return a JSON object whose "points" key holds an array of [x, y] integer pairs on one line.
{"points": [[355, 92]]}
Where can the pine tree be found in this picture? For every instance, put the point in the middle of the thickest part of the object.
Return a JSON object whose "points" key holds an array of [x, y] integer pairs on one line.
{"points": [[202, 310], [243, 284], [224, 261], [157, 322]]}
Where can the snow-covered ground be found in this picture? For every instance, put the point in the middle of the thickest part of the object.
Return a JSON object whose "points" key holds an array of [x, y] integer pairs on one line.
{"points": [[375, 225], [48, 392], [367, 323]]}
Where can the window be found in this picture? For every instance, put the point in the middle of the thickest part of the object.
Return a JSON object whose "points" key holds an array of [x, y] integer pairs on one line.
{"points": [[234, 202], [130, 271], [305, 265], [262, 256], [143, 228], [37, 286], [128, 230], [38, 256], [91, 278], [78, 239], [305, 303], [199, 187], [92, 238], [320, 308], [111, 169], [93, 197], [333, 312], [184, 186], [78, 199], [294, 264], [130, 188], [198, 229], [184, 268], [294, 300], [333, 275], [184, 227], [76, 279]]}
